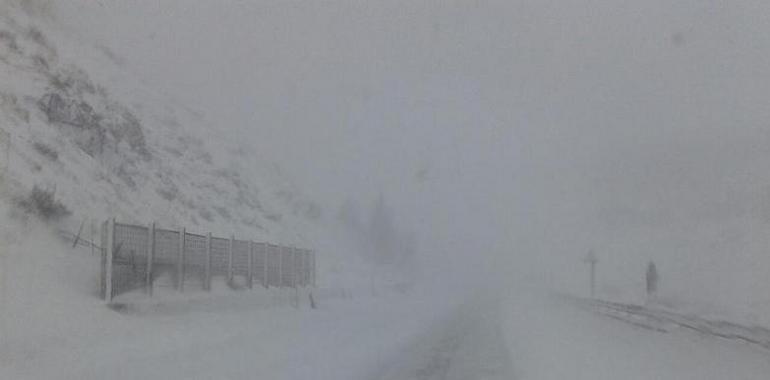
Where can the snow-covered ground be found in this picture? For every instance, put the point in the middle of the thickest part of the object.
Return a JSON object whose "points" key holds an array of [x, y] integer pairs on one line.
{"points": [[432, 332], [553, 338], [54, 327], [226, 335]]}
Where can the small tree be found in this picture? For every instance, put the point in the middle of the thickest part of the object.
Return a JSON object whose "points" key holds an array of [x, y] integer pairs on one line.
{"points": [[382, 233]]}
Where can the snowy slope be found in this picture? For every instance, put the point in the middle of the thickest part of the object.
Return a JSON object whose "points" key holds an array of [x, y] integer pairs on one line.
{"points": [[111, 146], [82, 123]]}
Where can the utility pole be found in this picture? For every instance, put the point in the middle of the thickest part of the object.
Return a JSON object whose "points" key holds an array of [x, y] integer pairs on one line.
{"points": [[592, 260]]}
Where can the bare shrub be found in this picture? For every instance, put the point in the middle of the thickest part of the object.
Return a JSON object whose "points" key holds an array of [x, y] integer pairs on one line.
{"points": [[206, 214], [223, 212], [85, 123], [43, 203], [72, 80], [9, 39], [168, 193], [313, 211], [37, 8], [36, 35], [40, 61], [274, 217], [10, 103], [46, 151]]}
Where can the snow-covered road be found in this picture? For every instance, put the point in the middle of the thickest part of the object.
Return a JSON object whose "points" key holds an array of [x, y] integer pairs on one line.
{"points": [[377, 339], [387, 337], [466, 344], [383, 338]]}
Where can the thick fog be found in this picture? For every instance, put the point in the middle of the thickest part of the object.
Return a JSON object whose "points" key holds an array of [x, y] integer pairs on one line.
{"points": [[517, 132], [347, 189]]}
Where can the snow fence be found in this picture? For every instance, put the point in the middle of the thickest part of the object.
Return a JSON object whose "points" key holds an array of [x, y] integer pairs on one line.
{"points": [[145, 257]]}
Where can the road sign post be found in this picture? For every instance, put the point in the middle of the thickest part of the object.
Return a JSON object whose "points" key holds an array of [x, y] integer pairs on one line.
{"points": [[592, 260]]}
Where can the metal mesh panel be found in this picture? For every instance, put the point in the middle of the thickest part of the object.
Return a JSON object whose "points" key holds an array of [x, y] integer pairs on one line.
{"points": [[313, 271], [300, 257], [166, 246], [220, 251], [298, 267], [269, 265], [273, 265], [305, 264], [129, 262], [296, 274], [303, 267], [103, 249], [286, 266], [194, 259], [258, 265], [241, 257], [164, 268]]}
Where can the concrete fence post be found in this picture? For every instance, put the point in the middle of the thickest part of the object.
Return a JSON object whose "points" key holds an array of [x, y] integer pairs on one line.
{"points": [[301, 270], [102, 261], [295, 265], [207, 264], [150, 257], [93, 247], [292, 268], [298, 267], [109, 251], [312, 257], [305, 267], [180, 261], [280, 266], [251, 265], [265, 247], [287, 270], [230, 260]]}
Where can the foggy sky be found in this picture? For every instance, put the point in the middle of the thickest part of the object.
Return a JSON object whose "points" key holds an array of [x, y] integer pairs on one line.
{"points": [[533, 130]]}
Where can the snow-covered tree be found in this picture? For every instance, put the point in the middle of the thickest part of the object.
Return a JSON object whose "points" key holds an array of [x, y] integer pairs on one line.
{"points": [[382, 233], [350, 216]]}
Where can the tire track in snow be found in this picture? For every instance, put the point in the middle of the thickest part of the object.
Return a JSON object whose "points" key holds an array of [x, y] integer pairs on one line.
{"points": [[468, 344], [665, 321]]}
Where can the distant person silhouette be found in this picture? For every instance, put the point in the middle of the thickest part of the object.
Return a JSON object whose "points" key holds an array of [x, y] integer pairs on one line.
{"points": [[652, 280]]}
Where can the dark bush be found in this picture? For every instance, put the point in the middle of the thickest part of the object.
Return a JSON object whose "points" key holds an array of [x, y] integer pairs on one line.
{"points": [[43, 203], [313, 211], [10, 41], [40, 61], [85, 123], [36, 35], [46, 151]]}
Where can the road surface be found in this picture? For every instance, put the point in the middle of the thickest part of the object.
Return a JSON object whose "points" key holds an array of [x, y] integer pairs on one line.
{"points": [[381, 338]]}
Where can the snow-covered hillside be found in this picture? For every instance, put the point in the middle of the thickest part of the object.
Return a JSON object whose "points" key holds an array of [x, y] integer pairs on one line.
{"points": [[112, 146]]}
